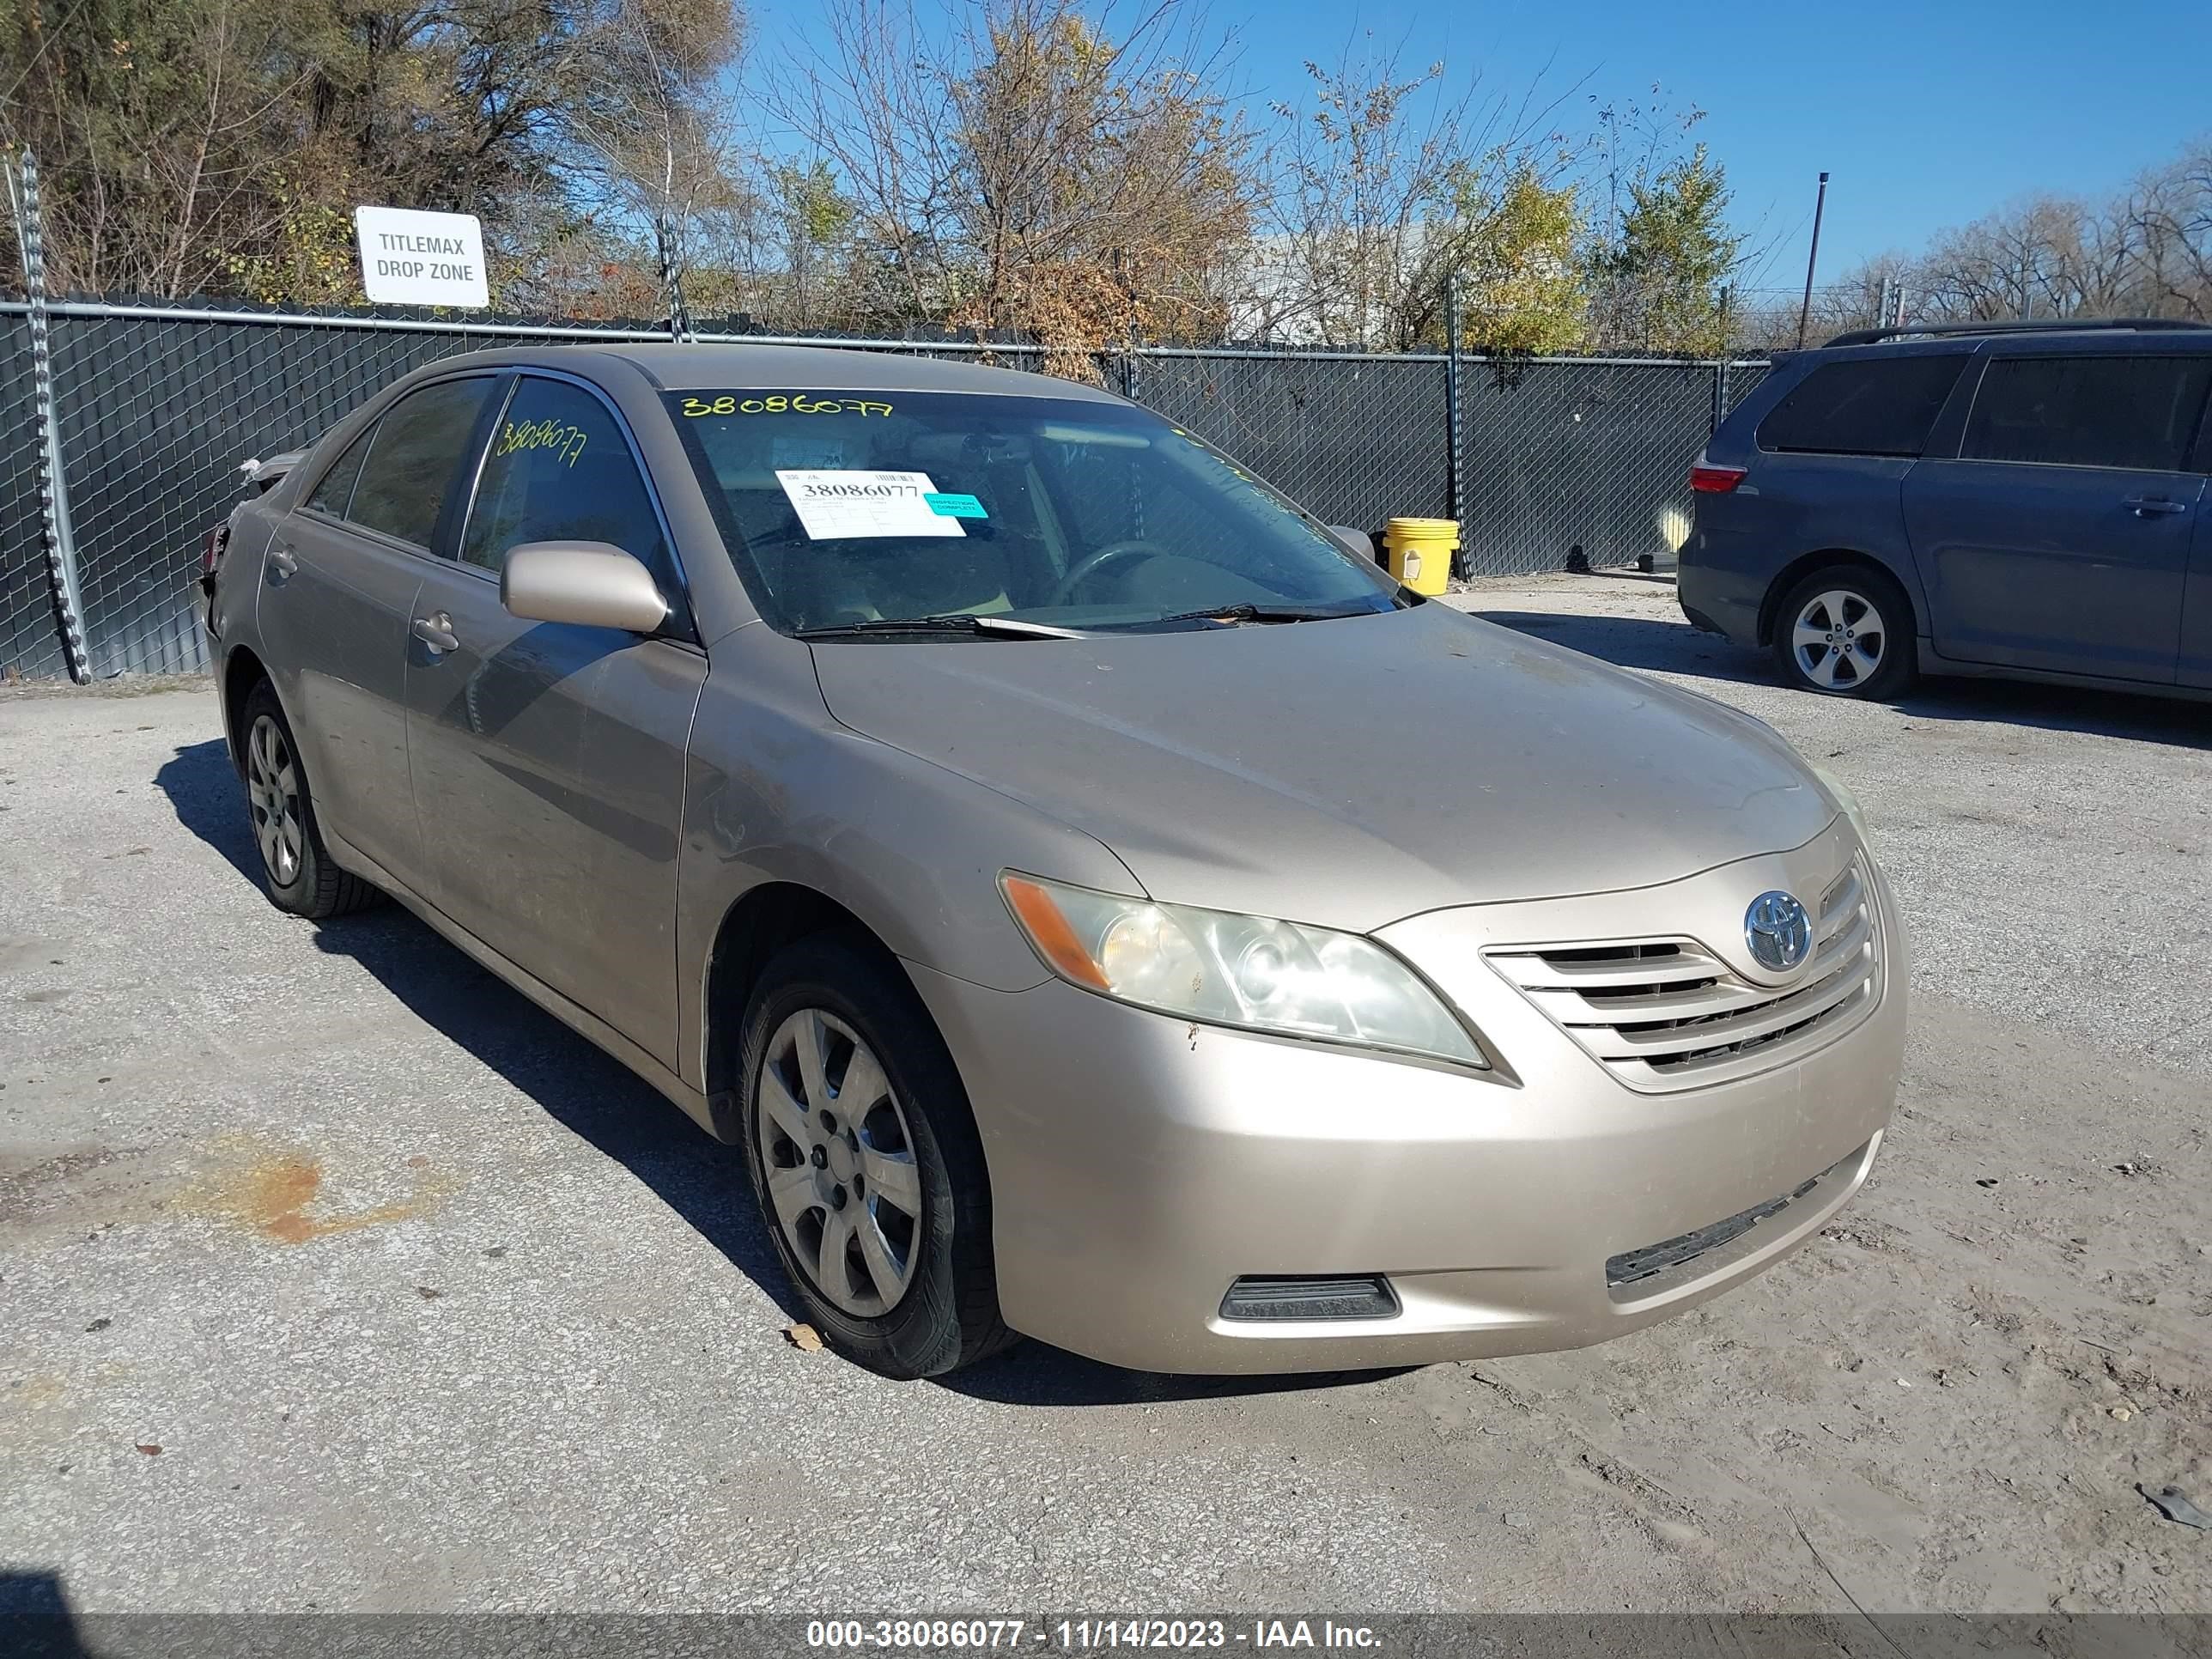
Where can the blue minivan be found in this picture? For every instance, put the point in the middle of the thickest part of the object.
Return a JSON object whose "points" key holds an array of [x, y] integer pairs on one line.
{"points": [[2026, 500]]}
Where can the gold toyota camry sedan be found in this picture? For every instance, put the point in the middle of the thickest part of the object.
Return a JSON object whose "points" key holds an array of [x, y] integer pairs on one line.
{"points": [[1000, 813]]}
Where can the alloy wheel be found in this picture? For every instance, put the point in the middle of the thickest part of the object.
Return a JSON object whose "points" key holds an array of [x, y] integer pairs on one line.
{"points": [[272, 792], [839, 1164], [1839, 640]]}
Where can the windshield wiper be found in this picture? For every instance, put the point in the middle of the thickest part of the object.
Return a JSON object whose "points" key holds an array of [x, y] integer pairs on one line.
{"points": [[1248, 612], [997, 627]]}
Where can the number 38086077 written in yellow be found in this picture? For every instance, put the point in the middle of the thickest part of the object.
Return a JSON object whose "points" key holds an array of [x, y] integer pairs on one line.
{"points": [[782, 403]]}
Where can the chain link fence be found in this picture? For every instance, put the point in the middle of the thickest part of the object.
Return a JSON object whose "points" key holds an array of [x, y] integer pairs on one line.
{"points": [[1582, 463], [1354, 440], [157, 411], [1559, 462]]}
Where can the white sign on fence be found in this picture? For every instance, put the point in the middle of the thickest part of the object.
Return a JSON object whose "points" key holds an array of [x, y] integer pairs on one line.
{"points": [[413, 259]]}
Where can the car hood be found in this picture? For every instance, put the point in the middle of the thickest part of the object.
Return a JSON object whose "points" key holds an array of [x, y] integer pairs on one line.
{"points": [[1345, 773]]}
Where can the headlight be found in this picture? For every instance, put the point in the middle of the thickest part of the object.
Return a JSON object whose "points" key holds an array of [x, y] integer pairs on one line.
{"points": [[1840, 793], [1243, 971]]}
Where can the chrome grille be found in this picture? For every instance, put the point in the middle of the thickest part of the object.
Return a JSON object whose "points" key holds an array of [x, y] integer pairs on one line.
{"points": [[1668, 1013]]}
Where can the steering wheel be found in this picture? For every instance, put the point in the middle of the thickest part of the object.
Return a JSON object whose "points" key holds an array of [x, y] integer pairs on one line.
{"points": [[1113, 553]]}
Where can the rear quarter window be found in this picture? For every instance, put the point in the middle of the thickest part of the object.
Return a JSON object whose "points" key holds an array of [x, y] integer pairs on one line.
{"points": [[1881, 406], [335, 493]]}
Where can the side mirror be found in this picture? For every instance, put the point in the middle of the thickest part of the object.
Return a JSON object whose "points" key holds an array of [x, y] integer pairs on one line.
{"points": [[1358, 543], [595, 584]]}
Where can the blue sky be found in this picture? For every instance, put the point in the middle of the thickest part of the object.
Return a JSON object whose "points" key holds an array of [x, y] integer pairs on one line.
{"points": [[1924, 116]]}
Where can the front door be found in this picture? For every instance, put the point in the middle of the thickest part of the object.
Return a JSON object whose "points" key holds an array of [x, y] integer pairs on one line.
{"points": [[548, 757], [2059, 536]]}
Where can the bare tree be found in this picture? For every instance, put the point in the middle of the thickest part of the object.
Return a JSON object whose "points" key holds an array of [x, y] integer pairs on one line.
{"points": [[1385, 182], [1026, 165], [2170, 214], [2048, 257], [655, 154], [2147, 250]]}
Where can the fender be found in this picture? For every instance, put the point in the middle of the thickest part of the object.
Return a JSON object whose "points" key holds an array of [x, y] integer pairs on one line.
{"points": [[910, 848]]}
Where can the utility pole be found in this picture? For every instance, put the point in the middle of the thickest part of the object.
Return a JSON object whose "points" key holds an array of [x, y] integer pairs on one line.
{"points": [[1813, 259], [1456, 505]]}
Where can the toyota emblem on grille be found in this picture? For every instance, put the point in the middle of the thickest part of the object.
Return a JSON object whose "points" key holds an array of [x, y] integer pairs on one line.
{"points": [[1778, 931]]}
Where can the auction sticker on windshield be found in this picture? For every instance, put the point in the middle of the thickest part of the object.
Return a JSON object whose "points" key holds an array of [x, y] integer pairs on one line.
{"points": [[838, 504]]}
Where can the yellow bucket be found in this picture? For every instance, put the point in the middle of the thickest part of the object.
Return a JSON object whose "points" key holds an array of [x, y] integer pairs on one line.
{"points": [[1419, 552]]}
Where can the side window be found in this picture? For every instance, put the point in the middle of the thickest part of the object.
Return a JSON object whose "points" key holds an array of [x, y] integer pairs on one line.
{"points": [[418, 445], [336, 489], [559, 470], [1882, 406], [2134, 412]]}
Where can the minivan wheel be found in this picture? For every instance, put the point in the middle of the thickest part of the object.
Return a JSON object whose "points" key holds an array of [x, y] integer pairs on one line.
{"points": [[865, 1162], [296, 869], [1845, 632]]}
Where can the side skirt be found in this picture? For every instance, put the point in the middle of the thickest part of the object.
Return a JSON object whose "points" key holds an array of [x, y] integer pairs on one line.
{"points": [[1942, 668], [576, 1017]]}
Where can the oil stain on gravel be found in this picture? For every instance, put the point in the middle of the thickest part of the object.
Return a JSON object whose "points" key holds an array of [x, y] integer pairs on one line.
{"points": [[275, 1193]]}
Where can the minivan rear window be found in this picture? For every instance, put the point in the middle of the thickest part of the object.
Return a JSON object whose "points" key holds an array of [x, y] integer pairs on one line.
{"points": [[1881, 406]]}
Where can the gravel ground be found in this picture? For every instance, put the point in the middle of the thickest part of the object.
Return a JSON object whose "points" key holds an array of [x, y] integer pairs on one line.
{"points": [[337, 1277]]}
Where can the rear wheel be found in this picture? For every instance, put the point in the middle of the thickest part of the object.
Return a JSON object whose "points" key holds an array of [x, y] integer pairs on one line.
{"points": [[865, 1159], [296, 868], [1845, 632]]}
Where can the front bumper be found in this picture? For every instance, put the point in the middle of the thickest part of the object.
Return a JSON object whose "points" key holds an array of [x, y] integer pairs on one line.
{"points": [[1140, 1165]]}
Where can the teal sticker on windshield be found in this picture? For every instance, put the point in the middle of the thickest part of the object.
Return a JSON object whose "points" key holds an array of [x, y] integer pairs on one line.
{"points": [[955, 506]]}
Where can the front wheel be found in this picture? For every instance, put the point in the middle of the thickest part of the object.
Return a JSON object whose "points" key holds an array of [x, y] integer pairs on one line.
{"points": [[866, 1164], [1845, 632]]}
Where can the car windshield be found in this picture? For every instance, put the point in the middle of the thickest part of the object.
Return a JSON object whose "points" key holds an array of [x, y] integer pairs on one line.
{"points": [[857, 511]]}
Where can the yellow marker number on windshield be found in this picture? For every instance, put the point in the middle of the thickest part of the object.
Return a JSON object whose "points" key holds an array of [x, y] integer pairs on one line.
{"points": [[796, 403]]}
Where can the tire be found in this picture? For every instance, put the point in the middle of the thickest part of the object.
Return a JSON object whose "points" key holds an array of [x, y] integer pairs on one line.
{"points": [[1821, 636], [933, 1306], [296, 869]]}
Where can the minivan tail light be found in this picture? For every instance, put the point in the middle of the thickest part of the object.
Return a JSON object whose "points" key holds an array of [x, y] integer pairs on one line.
{"points": [[1708, 480]]}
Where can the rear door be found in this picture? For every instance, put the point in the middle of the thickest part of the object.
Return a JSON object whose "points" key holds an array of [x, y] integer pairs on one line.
{"points": [[339, 584], [2058, 538], [548, 757], [2196, 604]]}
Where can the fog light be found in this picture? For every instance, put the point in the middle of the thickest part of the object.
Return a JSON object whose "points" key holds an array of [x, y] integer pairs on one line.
{"points": [[1337, 1295]]}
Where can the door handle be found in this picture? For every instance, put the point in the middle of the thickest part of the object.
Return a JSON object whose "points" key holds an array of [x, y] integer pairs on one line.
{"points": [[281, 562], [2152, 506], [436, 631]]}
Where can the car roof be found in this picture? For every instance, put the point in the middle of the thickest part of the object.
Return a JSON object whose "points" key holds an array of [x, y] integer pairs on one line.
{"points": [[742, 366], [2117, 335], [1946, 345]]}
